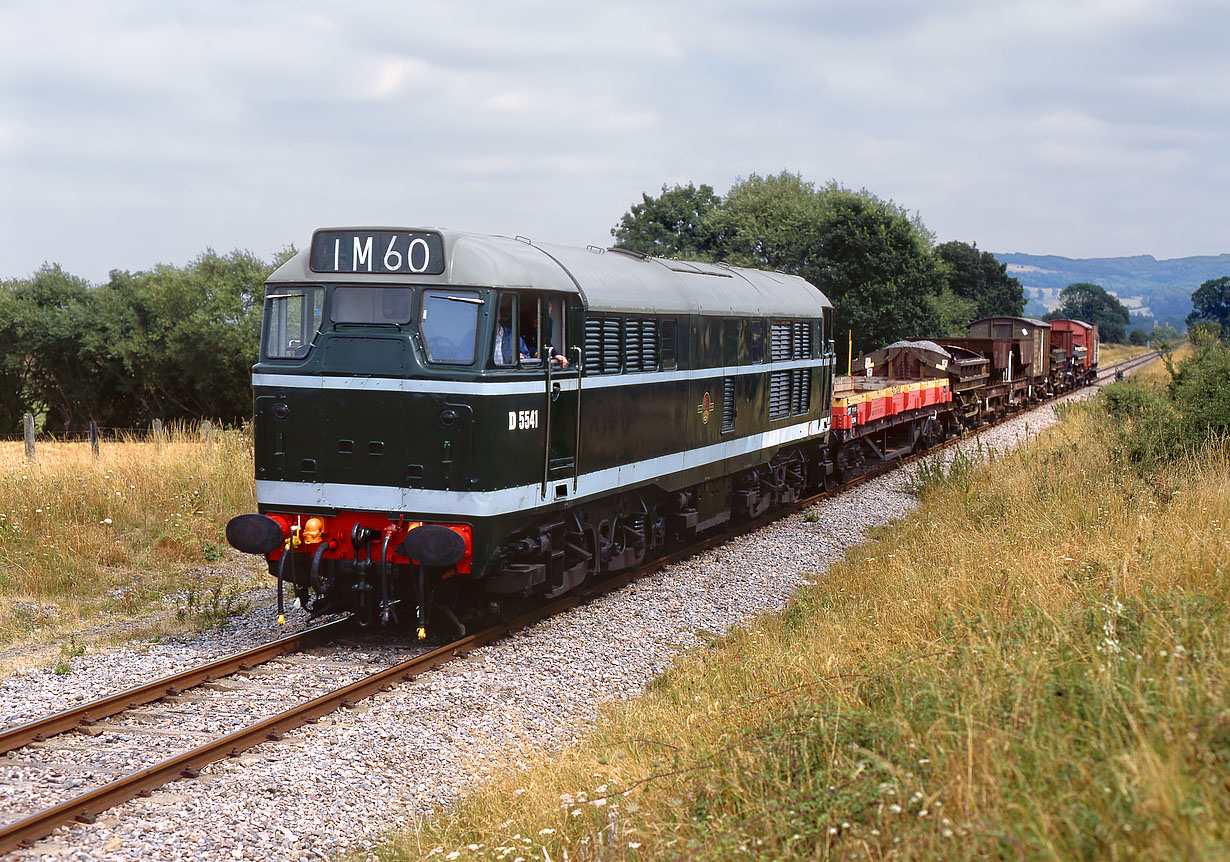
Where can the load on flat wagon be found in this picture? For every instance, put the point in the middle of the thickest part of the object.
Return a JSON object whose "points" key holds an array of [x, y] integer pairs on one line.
{"points": [[967, 372], [447, 424]]}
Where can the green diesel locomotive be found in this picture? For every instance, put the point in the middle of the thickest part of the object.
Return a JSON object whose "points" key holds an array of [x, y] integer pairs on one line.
{"points": [[449, 424]]}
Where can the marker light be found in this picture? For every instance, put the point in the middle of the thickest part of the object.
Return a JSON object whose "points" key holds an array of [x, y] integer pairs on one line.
{"points": [[312, 531]]}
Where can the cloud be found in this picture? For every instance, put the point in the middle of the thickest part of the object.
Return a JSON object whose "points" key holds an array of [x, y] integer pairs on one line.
{"points": [[144, 132]]}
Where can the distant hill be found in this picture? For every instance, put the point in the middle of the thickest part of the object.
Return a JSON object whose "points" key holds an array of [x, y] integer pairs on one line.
{"points": [[1156, 291]]}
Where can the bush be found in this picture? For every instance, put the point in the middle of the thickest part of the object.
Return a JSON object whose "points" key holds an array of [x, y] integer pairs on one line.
{"points": [[1201, 388], [1191, 414], [1202, 333]]}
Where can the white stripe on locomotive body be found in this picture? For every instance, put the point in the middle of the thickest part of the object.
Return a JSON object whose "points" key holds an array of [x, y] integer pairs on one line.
{"points": [[523, 498], [491, 386]]}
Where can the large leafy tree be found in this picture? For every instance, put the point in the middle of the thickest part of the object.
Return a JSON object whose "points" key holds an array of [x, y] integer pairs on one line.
{"points": [[15, 359], [953, 313], [675, 224], [169, 343], [1211, 303], [878, 269], [52, 312], [196, 334], [1092, 304], [980, 278], [775, 222], [871, 257]]}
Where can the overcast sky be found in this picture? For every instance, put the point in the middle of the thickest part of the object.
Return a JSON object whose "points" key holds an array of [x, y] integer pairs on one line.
{"points": [[137, 132]]}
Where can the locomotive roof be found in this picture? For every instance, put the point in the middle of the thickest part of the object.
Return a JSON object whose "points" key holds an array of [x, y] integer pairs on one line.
{"points": [[606, 280]]}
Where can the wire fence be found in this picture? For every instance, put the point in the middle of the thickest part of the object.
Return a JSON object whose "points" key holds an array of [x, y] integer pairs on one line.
{"points": [[94, 435], [112, 435]]}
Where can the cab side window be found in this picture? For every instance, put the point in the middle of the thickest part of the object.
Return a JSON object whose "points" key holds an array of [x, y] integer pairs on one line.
{"points": [[526, 322], [509, 348], [292, 319], [755, 341], [554, 336]]}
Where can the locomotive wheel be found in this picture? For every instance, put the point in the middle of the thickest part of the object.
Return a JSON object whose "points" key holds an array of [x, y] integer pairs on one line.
{"points": [[581, 546], [604, 543], [791, 473], [508, 608], [633, 527], [829, 481]]}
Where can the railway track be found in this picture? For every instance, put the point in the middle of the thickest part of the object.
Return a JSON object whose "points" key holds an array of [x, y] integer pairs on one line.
{"points": [[1127, 365], [86, 806], [174, 685], [188, 764]]}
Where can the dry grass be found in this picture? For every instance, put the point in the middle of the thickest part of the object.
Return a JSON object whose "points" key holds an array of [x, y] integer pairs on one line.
{"points": [[1109, 354], [1156, 375], [84, 539], [1034, 665]]}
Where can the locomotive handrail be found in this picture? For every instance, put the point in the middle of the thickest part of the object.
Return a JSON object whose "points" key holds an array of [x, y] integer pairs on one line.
{"points": [[546, 437], [576, 452]]}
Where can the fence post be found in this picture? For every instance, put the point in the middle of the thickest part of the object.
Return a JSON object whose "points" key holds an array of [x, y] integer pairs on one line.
{"points": [[158, 434], [28, 419], [207, 429], [94, 438]]}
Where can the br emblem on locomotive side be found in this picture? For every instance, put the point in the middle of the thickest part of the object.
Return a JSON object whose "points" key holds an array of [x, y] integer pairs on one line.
{"points": [[704, 408]]}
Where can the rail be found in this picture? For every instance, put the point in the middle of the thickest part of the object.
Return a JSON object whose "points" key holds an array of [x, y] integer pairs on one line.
{"points": [[87, 806], [168, 686]]}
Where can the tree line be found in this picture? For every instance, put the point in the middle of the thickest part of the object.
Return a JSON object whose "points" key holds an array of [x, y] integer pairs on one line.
{"points": [[179, 342], [1211, 309], [877, 262], [1092, 303], [170, 343]]}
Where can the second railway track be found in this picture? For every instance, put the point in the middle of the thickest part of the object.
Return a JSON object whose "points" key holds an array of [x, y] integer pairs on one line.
{"points": [[75, 776], [78, 764]]}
